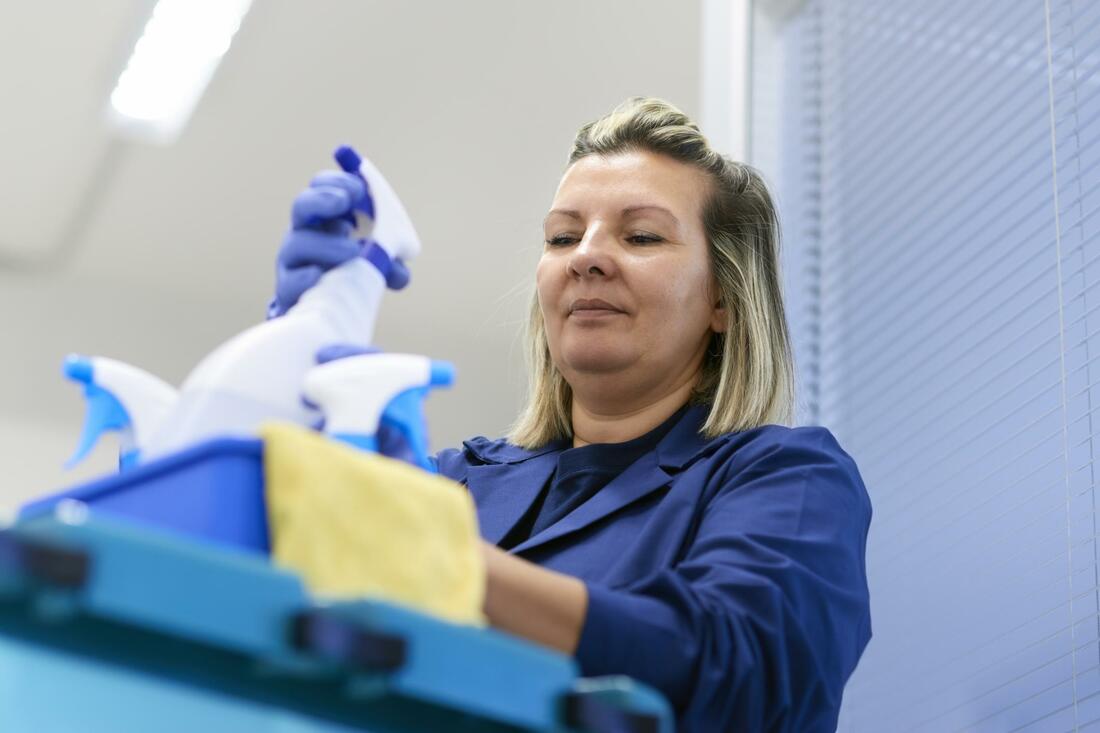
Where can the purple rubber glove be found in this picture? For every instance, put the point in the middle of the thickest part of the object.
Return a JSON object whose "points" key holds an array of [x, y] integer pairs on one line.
{"points": [[321, 237]]}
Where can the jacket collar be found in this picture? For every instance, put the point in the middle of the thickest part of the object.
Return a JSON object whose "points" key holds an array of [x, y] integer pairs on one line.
{"points": [[683, 444], [512, 478], [501, 451]]}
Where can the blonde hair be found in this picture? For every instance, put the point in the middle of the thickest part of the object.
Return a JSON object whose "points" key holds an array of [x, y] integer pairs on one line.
{"points": [[748, 371]]}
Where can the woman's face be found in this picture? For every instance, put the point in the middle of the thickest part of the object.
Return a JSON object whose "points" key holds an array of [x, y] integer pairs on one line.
{"points": [[624, 282]]}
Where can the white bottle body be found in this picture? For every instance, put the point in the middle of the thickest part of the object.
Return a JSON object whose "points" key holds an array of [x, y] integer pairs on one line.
{"points": [[146, 397], [258, 375], [352, 393]]}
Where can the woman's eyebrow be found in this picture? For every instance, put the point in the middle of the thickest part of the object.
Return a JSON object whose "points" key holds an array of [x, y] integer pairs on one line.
{"points": [[634, 209], [574, 214], [563, 212]]}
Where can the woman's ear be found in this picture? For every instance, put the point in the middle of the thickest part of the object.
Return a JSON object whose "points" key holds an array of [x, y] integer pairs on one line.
{"points": [[719, 319]]}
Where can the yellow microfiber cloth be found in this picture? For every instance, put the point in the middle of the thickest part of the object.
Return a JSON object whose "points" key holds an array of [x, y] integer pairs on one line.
{"points": [[354, 523]]}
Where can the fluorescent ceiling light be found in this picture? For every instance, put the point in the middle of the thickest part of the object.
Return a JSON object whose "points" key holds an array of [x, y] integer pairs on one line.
{"points": [[172, 63]]}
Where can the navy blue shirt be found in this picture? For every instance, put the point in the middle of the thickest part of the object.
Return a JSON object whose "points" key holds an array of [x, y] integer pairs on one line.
{"points": [[581, 472]]}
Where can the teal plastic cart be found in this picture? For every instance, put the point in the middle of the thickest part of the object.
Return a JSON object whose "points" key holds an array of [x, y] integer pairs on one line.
{"points": [[109, 623]]}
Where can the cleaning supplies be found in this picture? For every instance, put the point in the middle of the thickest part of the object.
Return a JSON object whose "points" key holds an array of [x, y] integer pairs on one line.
{"points": [[122, 398], [359, 395], [258, 374]]}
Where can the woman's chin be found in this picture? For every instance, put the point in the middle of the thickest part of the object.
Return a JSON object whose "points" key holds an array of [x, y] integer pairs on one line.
{"points": [[597, 361]]}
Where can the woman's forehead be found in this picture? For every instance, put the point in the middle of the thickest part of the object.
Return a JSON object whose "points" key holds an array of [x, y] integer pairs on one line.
{"points": [[631, 181]]}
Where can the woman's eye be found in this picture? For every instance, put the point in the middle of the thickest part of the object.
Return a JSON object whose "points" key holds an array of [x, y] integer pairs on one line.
{"points": [[561, 240], [644, 238]]}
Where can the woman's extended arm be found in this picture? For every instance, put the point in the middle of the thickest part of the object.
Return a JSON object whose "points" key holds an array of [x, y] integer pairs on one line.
{"points": [[530, 601]]}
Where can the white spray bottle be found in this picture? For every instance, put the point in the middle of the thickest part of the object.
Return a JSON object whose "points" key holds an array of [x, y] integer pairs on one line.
{"points": [[120, 398], [257, 375], [361, 395]]}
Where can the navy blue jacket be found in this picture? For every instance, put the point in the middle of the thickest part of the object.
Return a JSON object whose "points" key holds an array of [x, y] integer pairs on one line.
{"points": [[727, 573]]}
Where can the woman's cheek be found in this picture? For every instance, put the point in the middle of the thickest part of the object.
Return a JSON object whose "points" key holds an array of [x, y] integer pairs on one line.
{"points": [[545, 295], [689, 284]]}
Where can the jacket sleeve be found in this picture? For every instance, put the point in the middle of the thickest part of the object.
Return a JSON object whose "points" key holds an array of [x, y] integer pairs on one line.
{"points": [[761, 623]]}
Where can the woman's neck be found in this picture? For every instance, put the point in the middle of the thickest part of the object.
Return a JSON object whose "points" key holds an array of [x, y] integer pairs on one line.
{"points": [[597, 421]]}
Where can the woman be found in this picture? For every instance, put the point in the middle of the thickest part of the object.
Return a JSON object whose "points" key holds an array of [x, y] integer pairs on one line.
{"points": [[649, 512]]}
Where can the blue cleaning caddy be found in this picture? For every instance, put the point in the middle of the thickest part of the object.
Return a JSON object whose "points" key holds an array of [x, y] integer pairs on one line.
{"points": [[213, 491]]}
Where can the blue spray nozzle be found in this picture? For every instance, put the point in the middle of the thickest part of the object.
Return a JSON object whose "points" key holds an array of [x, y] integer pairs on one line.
{"points": [[443, 374], [105, 412], [78, 368]]}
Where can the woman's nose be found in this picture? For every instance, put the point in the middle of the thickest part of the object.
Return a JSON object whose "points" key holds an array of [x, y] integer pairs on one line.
{"points": [[592, 257]]}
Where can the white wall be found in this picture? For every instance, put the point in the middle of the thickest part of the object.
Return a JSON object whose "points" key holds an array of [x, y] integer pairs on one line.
{"points": [[468, 107]]}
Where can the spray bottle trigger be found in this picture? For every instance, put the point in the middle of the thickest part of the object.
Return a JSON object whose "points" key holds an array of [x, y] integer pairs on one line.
{"points": [[105, 413], [403, 422], [404, 418]]}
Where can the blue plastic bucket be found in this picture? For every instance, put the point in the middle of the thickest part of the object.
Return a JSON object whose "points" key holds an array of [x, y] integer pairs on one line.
{"points": [[213, 490]]}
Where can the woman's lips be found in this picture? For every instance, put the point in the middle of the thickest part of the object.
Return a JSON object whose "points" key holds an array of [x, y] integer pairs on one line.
{"points": [[586, 314], [593, 308]]}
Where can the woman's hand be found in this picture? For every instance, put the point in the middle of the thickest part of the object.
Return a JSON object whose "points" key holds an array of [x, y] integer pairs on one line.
{"points": [[529, 601], [320, 236]]}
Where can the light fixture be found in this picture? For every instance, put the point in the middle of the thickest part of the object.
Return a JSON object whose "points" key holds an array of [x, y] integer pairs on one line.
{"points": [[172, 63]]}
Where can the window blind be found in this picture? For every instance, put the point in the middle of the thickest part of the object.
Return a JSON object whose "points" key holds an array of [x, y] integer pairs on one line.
{"points": [[941, 200]]}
